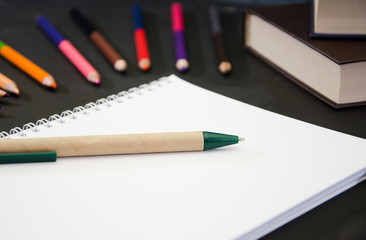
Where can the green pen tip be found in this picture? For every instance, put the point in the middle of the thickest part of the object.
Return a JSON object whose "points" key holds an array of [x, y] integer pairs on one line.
{"points": [[216, 140]]}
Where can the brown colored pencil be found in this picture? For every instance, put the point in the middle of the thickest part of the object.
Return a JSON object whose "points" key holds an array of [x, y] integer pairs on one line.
{"points": [[224, 64], [99, 41]]}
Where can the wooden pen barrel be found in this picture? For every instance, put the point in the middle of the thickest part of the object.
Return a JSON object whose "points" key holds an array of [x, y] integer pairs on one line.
{"points": [[107, 144]]}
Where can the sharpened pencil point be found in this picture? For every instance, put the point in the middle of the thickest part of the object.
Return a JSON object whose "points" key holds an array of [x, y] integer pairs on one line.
{"points": [[120, 65], [144, 64], [225, 67], [94, 77], [8, 85], [182, 65], [16, 91], [12, 88], [53, 85], [49, 81]]}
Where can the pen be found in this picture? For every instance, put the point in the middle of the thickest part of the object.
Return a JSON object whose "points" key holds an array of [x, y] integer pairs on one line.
{"points": [[120, 144], [181, 59], [224, 64], [99, 40], [142, 49], [26, 65], [66, 47]]}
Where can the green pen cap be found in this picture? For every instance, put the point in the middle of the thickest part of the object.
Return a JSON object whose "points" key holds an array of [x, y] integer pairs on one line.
{"points": [[215, 140]]}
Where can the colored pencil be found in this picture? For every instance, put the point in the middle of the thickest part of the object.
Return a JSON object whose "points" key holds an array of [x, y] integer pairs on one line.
{"points": [[26, 65], [142, 50], [181, 59], [224, 64], [66, 47], [99, 40], [8, 85]]}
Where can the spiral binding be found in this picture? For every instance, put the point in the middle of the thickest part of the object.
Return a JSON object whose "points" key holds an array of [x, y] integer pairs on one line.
{"points": [[96, 106]]}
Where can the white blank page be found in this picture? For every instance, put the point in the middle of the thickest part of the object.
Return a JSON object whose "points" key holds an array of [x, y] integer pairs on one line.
{"points": [[282, 169]]}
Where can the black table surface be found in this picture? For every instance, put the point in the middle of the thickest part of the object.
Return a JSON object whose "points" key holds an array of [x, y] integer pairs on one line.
{"points": [[251, 81]]}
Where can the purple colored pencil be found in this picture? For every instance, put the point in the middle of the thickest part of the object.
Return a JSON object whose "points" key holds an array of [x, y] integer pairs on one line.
{"points": [[181, 58]]}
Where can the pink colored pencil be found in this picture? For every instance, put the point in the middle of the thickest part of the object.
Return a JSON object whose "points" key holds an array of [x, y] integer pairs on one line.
{"points": [[69, 51]]}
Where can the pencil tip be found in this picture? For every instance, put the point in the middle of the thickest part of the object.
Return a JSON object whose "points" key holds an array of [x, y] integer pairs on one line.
{"points": [[144, 64], [225, 67], [120, 65], [12, 88], [49, 81], [53, 85], [94, 77], [182, 65], [241, 139]]}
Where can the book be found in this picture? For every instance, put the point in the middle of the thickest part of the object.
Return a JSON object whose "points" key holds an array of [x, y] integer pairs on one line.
{"points": [[338, 18], [331, 69], [284, 168]]}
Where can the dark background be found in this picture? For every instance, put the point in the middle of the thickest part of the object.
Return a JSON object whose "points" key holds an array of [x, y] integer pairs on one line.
{"points": [[252, 81]]}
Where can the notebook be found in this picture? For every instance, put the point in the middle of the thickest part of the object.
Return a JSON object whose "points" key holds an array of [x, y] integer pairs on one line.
{"points": [[284, 168]]}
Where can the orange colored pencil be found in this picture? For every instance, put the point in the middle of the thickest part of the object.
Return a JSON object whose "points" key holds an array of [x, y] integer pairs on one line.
{"points": [[26, 65], [8, 85]]}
